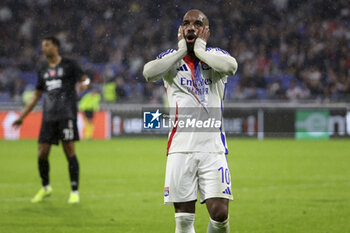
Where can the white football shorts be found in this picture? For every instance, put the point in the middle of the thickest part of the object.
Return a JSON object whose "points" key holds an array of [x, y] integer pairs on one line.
{"points": [[188, 174]]}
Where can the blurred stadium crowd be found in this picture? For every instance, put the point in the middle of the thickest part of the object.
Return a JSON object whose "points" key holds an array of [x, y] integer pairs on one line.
{"points": [[292, 50]]}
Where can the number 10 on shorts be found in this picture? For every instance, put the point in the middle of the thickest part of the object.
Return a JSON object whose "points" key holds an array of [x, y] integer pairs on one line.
{"points": [[225, 175]]}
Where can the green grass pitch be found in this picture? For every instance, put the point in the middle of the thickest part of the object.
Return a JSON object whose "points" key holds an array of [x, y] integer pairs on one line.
{"points": [[280, 186]]}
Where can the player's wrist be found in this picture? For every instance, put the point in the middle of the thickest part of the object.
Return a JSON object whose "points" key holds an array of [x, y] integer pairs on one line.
{"points": [[199, 46], [182, 44]]}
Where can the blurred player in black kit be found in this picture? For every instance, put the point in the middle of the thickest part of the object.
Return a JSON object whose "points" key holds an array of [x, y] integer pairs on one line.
{"points": [[58, 78]]}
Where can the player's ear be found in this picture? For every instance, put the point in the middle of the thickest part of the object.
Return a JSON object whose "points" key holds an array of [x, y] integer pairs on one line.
{"points": [[207, 29]]}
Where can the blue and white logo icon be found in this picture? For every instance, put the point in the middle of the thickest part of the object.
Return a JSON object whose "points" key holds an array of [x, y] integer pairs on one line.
{"points": [[152, 120]]}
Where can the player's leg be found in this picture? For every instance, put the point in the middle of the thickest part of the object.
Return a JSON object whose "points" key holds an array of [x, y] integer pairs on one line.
{"points": [[43, 163], [69, 134], [215, 190], [44, 169], [73, 168], [184, 216], [181, 184], [73, 164], [48, 136], [218, 212]]}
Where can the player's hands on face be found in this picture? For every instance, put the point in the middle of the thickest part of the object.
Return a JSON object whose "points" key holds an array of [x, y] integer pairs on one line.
{"points": [[180, 33], [17, 123], [204, 33]]}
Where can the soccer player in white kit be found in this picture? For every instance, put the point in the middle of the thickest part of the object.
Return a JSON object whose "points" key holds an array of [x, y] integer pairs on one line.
{"points": [[195, 76]]}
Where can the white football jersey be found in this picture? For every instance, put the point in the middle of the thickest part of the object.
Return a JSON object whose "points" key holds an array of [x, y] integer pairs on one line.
{"points": [[190, 83]]}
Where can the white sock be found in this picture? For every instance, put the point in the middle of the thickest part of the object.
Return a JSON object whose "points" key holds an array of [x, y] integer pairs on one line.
{"points": [[46, 187], [218, 227], [184, 223]]}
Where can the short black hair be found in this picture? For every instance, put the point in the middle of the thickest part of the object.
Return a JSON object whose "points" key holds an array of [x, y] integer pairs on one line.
{"points": [[54, 40]]}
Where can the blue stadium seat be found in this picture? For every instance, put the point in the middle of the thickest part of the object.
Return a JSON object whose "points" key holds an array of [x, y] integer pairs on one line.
{"points": [[285, 80], [5, 97], [261, 93], [83, 60], [231, 84], [29, 77], [99, 68], [269, 79]]}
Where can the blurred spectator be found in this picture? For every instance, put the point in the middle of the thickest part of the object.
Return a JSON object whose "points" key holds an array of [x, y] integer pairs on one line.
{"points": [[109, 92], [121, 94], [312, 77], [3, 81], [89, 104], [5, 14], [238, 94], [305, 92], [28, 94], [275, 90], [294, 92]]}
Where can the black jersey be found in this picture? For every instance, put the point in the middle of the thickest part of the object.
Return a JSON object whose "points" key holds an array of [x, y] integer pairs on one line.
{"points": [[59, 85]]}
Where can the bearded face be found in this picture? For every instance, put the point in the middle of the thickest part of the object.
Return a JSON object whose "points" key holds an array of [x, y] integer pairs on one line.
{"points": [[192, 22]]}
